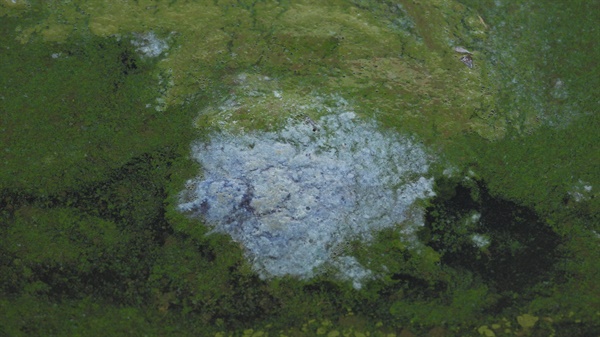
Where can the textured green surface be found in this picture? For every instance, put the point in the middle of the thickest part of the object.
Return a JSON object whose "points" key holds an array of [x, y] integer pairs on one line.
{"points": [[89, 175]]}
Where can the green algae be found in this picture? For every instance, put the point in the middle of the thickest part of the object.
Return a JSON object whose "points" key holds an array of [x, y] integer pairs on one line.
{"points": [[74, 111], [59, 236], [103, 171], [411, 80]]}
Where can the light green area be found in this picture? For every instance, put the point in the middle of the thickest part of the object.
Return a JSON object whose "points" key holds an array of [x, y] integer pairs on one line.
{"points": [[409, 79]]}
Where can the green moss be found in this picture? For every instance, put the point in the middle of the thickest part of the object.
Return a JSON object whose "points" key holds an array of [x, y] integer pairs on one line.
{"points": [[61, 236], [90, 176], [409, 79], [30, 316], [71, 118], [541, 170], [459, 308]]}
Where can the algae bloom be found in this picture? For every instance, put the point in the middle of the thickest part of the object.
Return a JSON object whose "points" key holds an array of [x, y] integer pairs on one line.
{"points": [[293, 197]]}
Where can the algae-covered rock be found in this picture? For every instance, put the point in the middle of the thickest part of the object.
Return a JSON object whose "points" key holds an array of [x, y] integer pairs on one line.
{"points": [[527, 321], [484, 330]]}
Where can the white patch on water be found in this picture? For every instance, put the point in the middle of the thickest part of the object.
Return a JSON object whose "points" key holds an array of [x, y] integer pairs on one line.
{"points": [[581, 191], [293, 196], [149, 45], [480, 241]]}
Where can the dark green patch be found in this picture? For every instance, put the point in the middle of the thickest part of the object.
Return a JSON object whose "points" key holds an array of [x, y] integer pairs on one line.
{"points": [[73, 111], [522, 248]]}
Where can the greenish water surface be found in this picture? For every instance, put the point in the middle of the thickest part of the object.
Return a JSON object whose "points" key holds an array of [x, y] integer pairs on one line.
{"points": [[95, 148]]}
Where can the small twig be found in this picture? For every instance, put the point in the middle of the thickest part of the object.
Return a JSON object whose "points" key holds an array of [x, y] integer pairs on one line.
{"points": [[483, 22], [311, 122]]}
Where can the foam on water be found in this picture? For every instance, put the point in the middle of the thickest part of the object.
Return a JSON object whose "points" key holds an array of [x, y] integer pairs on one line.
{"points": [[149, 45], [293, 196]]}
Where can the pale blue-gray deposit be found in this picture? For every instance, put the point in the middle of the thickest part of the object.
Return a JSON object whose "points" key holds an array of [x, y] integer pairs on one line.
{"points": [[294, 196]]}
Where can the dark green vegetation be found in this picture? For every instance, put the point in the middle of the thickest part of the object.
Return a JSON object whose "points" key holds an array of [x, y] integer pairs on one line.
{"points": [[91, 244], [68, 120], [514, 258]]}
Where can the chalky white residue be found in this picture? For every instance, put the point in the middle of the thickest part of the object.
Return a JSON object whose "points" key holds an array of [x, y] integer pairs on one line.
{"points": [[149, 45], [480, 241], [291, 197], [581, 191]]}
